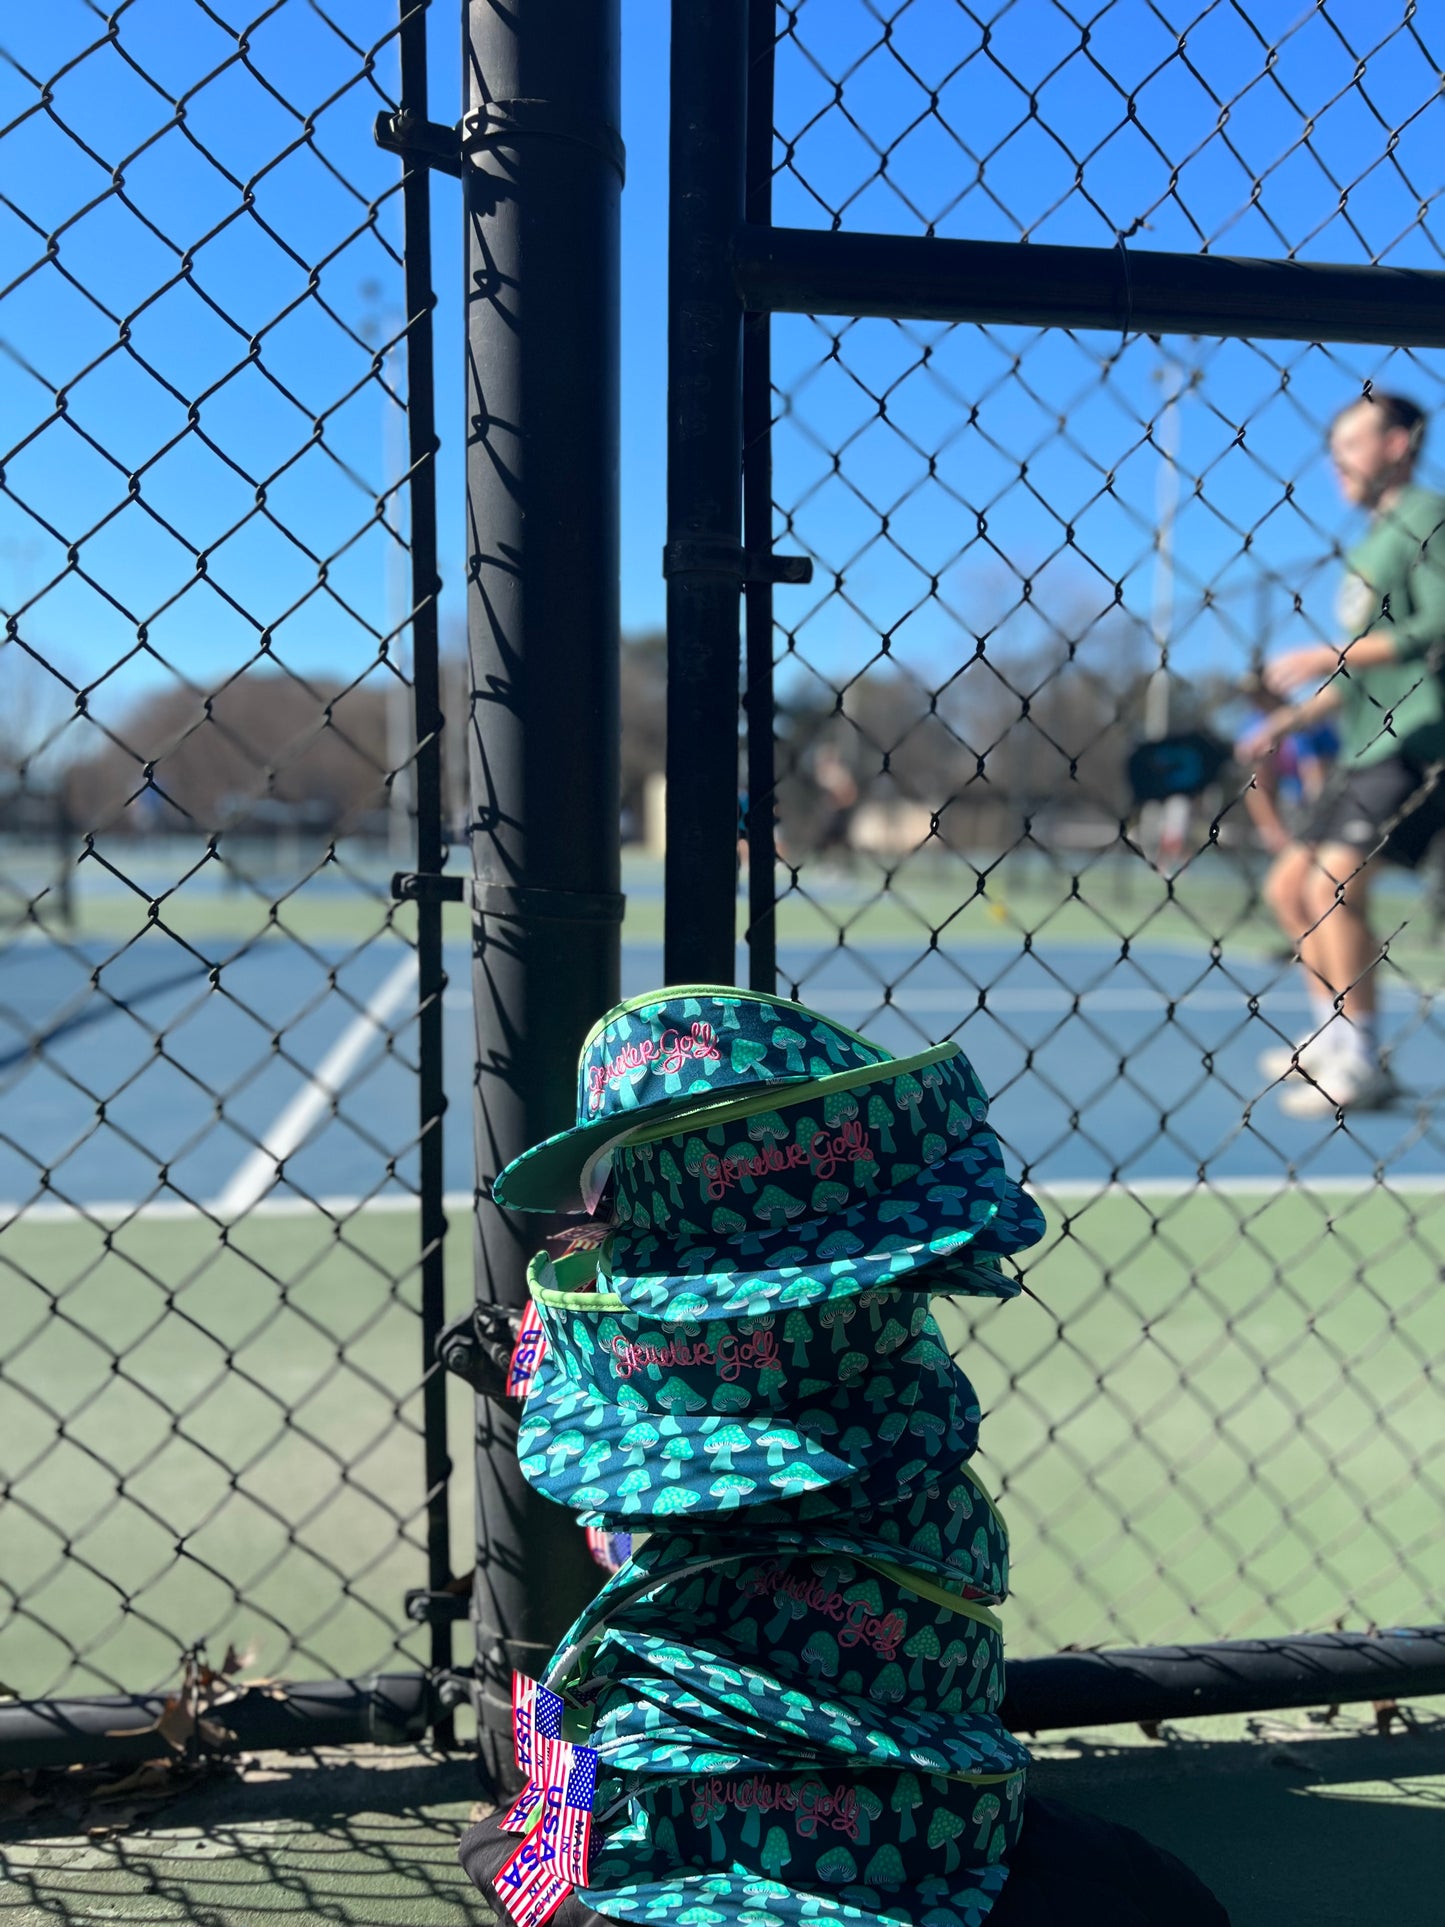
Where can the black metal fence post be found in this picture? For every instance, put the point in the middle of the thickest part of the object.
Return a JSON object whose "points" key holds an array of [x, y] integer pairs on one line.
{"points": [[757, 434], [543, 188], [703, 559], [426, 693]]}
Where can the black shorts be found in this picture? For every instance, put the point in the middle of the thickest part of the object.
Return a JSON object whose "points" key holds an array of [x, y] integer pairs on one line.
{"points": [[1069, 1869], [1393, 809]]}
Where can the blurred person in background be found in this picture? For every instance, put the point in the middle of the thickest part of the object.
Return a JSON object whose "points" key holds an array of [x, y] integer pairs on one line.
{"points": [[1290, 779], [1288, 782], [838, 788], [1381, 685]]}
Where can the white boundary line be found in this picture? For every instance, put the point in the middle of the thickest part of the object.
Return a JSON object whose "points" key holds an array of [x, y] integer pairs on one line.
{"points": [[392, 1204], [1429, 1183], [170, 1210], [257, 1172], [1101, 998]]}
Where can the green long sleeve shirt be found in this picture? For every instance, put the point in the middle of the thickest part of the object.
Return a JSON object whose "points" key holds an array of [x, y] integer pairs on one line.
{"points": [[1395, 585]]}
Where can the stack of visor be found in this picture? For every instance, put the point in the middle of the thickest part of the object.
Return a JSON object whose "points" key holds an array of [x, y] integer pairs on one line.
{"points": [[792, 1686]]}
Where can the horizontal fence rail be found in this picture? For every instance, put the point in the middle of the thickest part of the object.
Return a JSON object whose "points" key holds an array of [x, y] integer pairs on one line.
{"points": [[1068, 1690], [903, 277]]}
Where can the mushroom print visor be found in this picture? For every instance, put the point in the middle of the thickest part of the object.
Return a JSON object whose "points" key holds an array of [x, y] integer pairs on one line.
{"points": [[630, 1420], [672, 1050], [791, 1660], [824, 1845], [851, 1621], [769, 1205]]}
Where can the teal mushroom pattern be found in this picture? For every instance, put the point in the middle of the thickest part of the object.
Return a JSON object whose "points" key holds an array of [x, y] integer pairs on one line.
{"points": [[851, 1404], [816, 1201], [793, 1685]]}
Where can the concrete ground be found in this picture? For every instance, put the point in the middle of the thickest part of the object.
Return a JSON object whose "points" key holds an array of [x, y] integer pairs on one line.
{"points": [[1289, 1821]]}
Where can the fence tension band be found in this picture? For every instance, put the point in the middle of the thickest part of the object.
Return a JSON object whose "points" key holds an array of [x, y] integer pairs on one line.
{"points": [[427, 143], [409, 886], [499, 122], [426, 1608], [477, 1348], [548, 906], [725, 556]]}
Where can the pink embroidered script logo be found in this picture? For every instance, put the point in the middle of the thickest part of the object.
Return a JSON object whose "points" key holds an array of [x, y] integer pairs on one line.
{"points": [[856, 1625], [667, 1053], [729, 1357], [822, 1156], [809, 1801]]}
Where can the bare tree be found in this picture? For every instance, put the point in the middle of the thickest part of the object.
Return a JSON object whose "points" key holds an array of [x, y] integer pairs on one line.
{"points": [[208, 761]]}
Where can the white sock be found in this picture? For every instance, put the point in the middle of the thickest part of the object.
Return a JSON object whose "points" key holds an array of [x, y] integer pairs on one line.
{"points": [[1322, 1013], [1359, 1038]]}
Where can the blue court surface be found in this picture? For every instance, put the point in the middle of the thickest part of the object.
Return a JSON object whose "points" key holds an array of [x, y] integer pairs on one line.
{"points": [[1138, 1069]]}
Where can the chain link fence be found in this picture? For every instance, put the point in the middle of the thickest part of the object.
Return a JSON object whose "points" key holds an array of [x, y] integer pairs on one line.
{"points": [[1034, 548], [1031, 548], [210, 1343]]}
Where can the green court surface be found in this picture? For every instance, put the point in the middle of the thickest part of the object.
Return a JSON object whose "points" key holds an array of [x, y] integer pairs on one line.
{"points": [[1291, 1824], [1221, 1419], [291, 1474]]}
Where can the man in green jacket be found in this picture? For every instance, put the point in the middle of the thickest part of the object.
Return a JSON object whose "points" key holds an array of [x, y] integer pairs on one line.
{"points": [[1382, 683]]}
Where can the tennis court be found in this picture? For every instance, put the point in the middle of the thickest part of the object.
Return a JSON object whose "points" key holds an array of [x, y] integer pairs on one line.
{"points": [[1218, 1418], [1110, 1055]]}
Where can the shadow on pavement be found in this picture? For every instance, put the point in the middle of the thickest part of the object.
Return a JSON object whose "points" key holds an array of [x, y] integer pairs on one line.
{"points": [[1290, 1824], [1287, 1822], [359, 1841]]}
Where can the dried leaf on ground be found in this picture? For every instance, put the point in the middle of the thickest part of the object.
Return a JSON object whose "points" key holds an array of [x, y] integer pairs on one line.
{"points": [[183, 1717], [150, 1778], [183, 1720], [16, 1799]]}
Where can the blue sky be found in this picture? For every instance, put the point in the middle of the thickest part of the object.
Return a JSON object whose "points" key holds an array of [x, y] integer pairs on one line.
{"points": [[198, 324]]}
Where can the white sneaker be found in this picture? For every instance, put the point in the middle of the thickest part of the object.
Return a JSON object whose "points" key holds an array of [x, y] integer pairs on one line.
{"points": [[1312, 1055], [1346, 1083]]}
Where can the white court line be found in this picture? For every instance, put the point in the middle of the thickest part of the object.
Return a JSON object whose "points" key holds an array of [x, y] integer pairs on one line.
{"points": [[114, 1211], [1428, 1184], [257, 1173], [965, 999], [1061, 1190]]}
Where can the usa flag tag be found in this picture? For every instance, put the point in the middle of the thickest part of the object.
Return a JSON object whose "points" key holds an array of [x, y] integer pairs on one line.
{"points": [[528, 1352], [552, 1859], [610, 1550], [536, 1733]]}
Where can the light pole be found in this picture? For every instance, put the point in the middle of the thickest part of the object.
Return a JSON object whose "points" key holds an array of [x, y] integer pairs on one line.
{"points": [[1159, 823], [385, 324], [1170, 375]]}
